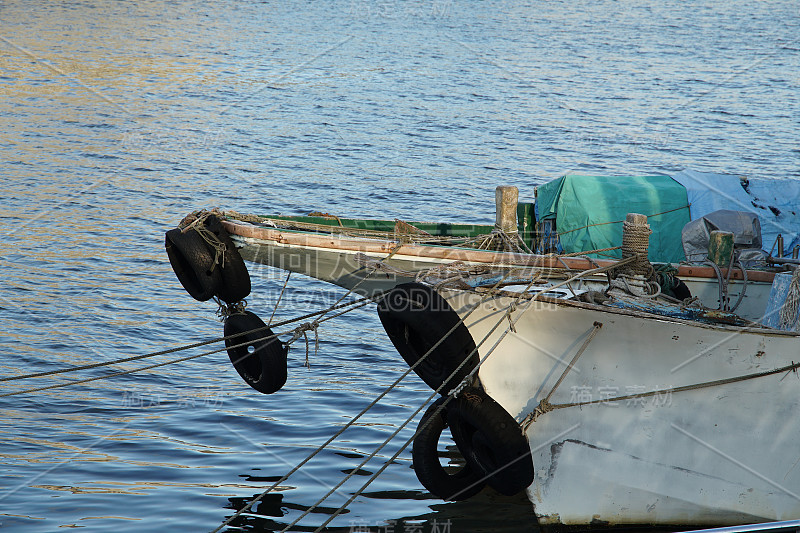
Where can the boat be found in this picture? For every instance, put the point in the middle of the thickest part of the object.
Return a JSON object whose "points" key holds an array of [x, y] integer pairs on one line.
{"points": [[637, 409], [576, 377], [572, 225]]}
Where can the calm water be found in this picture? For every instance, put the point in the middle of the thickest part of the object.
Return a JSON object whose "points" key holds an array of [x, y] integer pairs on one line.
{"points": [[118, 118]]}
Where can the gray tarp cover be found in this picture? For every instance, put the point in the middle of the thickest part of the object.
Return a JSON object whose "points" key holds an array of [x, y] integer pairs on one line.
{"points": [[696, 234]]}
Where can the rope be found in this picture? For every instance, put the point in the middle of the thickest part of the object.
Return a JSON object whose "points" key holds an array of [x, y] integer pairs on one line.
{"points": [[280, 296], [788, 315], [636, 285], [354, 303], [544, 405], [360, 414], [197, 223], [636, 242], [303, 330], [224, 310], [697, 386], [123, 372], [500, 240], [687, 206]]}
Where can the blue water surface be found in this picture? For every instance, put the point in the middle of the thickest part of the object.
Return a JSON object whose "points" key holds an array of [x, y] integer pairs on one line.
{"points": [[119, 118]]}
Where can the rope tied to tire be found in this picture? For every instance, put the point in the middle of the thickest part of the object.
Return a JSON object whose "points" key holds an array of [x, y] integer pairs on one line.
{"points": [[205, 259], [199, 225], [303, 330], [217, 245], [224, 310]]}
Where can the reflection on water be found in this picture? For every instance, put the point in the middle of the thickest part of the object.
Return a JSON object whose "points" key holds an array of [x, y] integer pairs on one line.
{"points": [[118, 118]]}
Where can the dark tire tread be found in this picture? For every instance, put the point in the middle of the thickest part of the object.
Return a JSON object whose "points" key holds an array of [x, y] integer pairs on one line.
{"points": [[264, 368], [491, 441], [460, 485]]}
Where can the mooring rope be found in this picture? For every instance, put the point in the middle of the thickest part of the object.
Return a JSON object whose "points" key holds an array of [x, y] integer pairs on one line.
{"points": [[545, 405], [670, 390], [280, 297], [124, 372], [363, 301], [302, 329]]}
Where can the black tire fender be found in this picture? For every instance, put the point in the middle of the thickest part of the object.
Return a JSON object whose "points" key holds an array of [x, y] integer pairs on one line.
{"points": [[235, 279], [262, 360], [491, 441], [415, 318], [192, 263], [460, 485]]}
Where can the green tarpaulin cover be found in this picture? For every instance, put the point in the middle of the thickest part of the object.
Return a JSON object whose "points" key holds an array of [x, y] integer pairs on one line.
{"points": [[589, 211]]}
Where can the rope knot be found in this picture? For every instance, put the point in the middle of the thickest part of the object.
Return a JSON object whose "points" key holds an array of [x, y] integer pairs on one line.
{"points": [[544, 407], [511, 309], [197, 221], [302, 330], [460, 387], [225, 310]]}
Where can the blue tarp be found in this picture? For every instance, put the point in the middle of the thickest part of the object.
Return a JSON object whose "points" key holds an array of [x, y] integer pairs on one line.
{"points": [[579, 206], [776, 203]]}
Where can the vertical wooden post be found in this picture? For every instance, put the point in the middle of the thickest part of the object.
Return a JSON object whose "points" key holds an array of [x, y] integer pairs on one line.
{"points": [[506, 199]]}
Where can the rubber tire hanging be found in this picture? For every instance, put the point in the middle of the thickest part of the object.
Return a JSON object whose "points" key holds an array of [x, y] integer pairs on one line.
{"points": [[261, 360], [415, 318], [464, 483], [235, 281], [199, 269], [491, 441], [193, 263]]}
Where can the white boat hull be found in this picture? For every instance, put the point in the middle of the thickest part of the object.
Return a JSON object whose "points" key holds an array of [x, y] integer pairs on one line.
{"points": [[722, 455]]}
